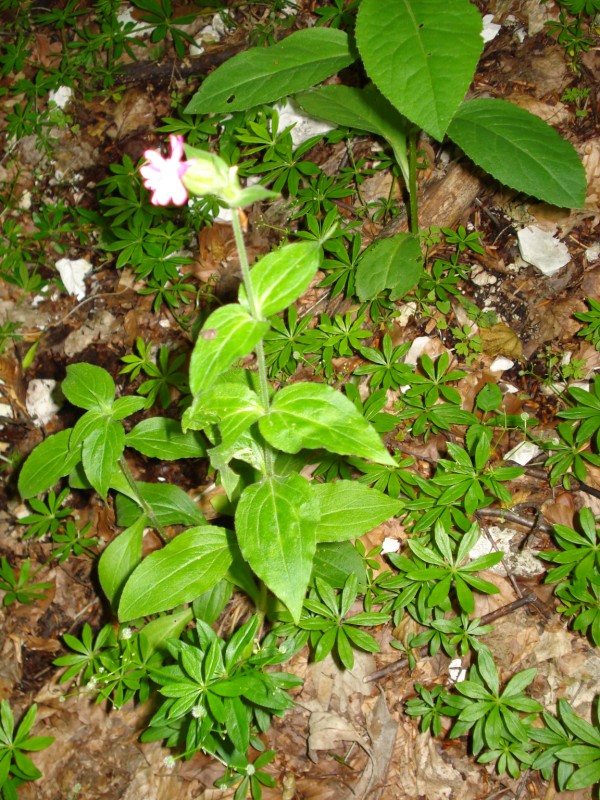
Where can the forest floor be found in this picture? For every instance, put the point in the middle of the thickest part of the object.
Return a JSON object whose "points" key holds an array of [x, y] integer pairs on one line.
{"points": [[360, 741]]}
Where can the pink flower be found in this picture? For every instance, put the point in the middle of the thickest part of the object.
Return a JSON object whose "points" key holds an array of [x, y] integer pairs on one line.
{"points": [[163, 175]]}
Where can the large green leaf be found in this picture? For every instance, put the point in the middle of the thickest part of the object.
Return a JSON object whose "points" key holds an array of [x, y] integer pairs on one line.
{"points": [[281, 277], [170, 504], [89, 387], [275, 523], [334, 561], [233, 406], [520, 150], [100, 452], [161, 437], [266, 74], [395, 263], [313, 415], [119, 559], [51, 460], [361, 109], [421, 54], [349, 509], [186, 567], [229, 333]]}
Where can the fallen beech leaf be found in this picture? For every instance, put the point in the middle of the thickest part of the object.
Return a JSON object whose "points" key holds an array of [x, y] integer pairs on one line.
{"points": [[500, 340]]}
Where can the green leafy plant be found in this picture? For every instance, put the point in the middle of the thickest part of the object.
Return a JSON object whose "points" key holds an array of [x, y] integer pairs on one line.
{"points": [[17, 588], [48, 516], [16, 767], [591, 331], [331, 625]]}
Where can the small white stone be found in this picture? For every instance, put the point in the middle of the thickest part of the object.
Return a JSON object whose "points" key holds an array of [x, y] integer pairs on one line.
{"points": [[126, 15], [61, 96], [501, 364], [481, 277], [490, 28], [390, 545], [543, 250], [39, 401], [304, 126], [523, 453], [593, 253], [73, 273], [456, 672], [416, 350]]}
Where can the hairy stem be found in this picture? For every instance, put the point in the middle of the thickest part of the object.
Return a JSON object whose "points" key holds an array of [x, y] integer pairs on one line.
{"points": [[412, 180], [260, 353]]}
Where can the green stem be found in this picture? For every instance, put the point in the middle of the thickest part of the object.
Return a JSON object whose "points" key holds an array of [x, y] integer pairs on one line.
{"points": [[260, 352], [146, 508], [412, 179]]}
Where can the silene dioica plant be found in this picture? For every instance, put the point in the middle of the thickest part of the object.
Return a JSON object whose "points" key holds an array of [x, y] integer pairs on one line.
{"points": [[290, 536]]}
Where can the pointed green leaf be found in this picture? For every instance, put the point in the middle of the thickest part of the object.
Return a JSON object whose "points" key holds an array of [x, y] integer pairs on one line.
{"points": [[266, 74], [187, 566], [100, 452], [119, 559], [89, 387], [334, 561], [350, 509], [51, 460], [421, 54], [229, 333], [520, 150], [161, 437], [275, 523], [171, 505], [313, 415], [395, 263], [282, 276]]}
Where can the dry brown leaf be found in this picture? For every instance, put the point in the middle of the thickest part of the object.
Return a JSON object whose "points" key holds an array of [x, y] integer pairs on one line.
{"points": [[501, 340]]}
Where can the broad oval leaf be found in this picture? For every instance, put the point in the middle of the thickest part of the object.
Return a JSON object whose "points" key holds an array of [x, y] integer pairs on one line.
{"points": [[266, 74], [100, 452], [395, 263], [119, 559], [88, 386], [275, 523], [349, 509], [161, 437], [51, 460], [421, 54], [313, 415], [281, 277], [520, 150], [229, 333], [334, 561], [362, 109], [187, 566], [170, 504]]}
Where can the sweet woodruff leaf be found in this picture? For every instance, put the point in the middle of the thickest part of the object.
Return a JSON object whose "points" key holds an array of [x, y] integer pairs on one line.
{"points": [[275, 523], [313, 415], [266, 74], [187, 566]]}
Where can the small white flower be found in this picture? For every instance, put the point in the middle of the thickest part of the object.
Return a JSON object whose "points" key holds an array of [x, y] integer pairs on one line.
{"points": [[169, 762], [390, 545], [250, 769], [126, 633], [282, 649], [198, 712], [91, 684]]}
